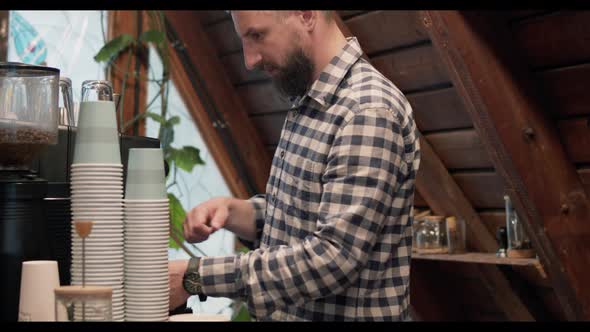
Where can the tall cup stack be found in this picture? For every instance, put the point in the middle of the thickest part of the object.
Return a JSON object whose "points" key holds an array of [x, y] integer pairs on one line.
{"points": [[97, 195], [147, 216]]}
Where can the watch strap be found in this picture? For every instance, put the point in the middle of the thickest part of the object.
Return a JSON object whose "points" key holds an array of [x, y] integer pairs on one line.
{"points": [[193, 267]]}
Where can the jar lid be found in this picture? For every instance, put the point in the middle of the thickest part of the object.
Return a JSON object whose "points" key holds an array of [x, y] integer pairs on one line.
{"points": [[434, 218], [79, 290], [23, 69]]}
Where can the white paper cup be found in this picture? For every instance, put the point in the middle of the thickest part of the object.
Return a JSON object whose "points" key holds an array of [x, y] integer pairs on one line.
{"points": [[97, 200], [97, 165], [199, 318], [130, 287], [97, 138], [145, 175], [152, 208], [37, 299], [145, 263], [146, 202]]}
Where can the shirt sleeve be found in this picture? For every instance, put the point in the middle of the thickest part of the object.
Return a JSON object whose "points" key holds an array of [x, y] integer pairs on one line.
{"points": [[360, 181], [259, 204]]}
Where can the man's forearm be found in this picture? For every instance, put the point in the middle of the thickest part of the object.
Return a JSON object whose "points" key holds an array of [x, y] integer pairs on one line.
{"points": [[241, 219]]}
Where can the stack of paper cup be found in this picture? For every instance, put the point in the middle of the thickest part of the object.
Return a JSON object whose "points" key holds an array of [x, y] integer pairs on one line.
{"points": [[97, 195], [147, 216]]}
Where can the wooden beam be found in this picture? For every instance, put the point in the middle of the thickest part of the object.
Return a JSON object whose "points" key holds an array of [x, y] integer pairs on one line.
{"points": [[211, 93], [444, 197], [3, 35], [524, 146], [134, 101]]}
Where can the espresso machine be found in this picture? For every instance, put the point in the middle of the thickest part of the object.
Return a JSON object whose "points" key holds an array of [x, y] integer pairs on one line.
{"points": [[37, 138]]}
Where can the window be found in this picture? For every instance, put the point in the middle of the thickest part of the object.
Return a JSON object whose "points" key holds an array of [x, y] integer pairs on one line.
{"points": [[203, 183], [67, 40]]}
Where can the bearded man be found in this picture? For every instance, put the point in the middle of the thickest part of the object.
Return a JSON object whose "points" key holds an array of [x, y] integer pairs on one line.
{"points": [[331, 237]]}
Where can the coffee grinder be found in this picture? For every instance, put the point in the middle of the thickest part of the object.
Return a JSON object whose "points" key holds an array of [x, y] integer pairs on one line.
{"points": [[28, 124]]}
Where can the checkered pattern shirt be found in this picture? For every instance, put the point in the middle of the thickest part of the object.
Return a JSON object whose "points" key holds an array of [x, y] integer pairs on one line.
{"points": [[334, 225]]}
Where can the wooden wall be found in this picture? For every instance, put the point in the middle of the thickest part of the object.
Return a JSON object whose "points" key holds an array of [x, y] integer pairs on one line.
{"points": [[400, 48], [556, 46]]}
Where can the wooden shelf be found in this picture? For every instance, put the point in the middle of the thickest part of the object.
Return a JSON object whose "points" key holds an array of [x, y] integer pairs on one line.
{"points": [[479, 257]]}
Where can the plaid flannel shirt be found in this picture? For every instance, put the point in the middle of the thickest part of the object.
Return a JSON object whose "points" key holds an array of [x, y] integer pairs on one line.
{"points": [[334, 225]]}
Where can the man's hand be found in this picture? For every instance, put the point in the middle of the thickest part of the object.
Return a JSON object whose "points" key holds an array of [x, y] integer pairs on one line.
{"points": [[176, 270], [206, 218]]}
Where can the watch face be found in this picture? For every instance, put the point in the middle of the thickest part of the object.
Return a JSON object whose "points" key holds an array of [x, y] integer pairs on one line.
{"points": [[192, 283]]}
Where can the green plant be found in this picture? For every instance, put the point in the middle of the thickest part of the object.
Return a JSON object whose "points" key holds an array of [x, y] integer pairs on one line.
{"points": [[185, 158]]}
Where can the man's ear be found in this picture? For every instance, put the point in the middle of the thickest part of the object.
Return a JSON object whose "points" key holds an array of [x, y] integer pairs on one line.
{"points": [[308, 18]]}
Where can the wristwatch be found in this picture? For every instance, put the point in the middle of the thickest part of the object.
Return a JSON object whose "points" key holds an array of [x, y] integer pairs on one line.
{"points": [[192, 279]]}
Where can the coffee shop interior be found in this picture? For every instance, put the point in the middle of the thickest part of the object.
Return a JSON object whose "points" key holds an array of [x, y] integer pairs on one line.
{"points": [[501, 213]]}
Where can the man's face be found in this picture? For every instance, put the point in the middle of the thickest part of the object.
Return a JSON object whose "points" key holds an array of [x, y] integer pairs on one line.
{"points": [[277, 45]]}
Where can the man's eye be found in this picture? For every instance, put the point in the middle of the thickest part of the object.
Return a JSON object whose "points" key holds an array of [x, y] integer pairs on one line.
{"points": [[257, 36]]}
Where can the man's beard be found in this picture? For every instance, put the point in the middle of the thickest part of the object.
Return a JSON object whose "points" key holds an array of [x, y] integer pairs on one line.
{"points": [[295, 77]]}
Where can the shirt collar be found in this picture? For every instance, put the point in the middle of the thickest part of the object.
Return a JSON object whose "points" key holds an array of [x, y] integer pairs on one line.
{"points": [[323, 89]]}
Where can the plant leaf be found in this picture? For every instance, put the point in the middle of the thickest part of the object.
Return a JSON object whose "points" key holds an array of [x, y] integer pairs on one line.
{"points": [[155, 116], [242, 315], [115, 46], [173, 121], [186, 158], [177, 216], [153, 36]]}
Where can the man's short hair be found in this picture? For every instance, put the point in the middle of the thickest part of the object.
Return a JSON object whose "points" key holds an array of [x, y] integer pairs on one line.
{"points": [[327, 14]]}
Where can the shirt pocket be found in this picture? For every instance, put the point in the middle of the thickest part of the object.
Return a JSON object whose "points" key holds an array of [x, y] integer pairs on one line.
{"points": [[305, 187]]}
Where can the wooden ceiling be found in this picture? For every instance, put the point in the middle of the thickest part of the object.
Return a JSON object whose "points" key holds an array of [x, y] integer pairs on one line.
{"points": [[555, 48]]}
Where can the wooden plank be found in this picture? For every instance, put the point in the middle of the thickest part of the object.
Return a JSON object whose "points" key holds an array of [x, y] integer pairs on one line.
{"points": [[493, 220], [386, 29], [503, 294], [413, 68], [270, 126], [584, 174], [224, 38], [532, 276], [475, 298], [517, 15], [478, 258], [484, 189], [555, 40], [551, 302], [460, 149], [238, 74], [134, 97], [565, 90], [247, 156], [431, 301], [439, 109], [210, 134], [207, 17], [262, 98], [541, 182], [344, 14], [3, 35], [419, 200], [575, 137]]}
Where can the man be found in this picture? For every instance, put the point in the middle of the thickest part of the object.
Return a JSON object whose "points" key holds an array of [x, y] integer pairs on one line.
{"points": [[331, 238]]}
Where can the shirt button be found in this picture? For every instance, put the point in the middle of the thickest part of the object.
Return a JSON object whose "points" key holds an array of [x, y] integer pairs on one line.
{"points": [[283, 154]]}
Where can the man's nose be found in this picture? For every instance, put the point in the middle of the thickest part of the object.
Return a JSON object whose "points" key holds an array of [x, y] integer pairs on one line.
{"points": [[251, 58]]}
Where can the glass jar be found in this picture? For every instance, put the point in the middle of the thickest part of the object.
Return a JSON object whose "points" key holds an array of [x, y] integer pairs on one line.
{"points": [[519, 244], [83, 304], [456, 235], [431, 235]]}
